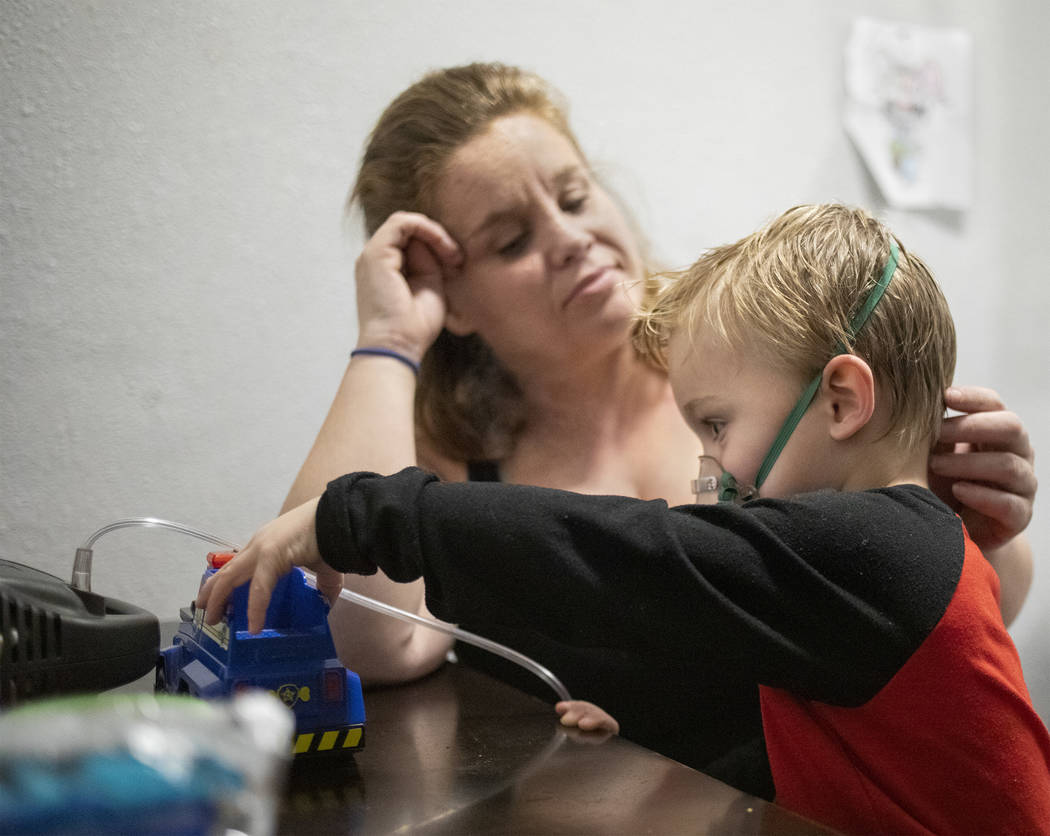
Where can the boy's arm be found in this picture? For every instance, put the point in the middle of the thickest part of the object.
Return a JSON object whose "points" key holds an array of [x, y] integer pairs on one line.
{"points": [[785, 592], [822, 595]]}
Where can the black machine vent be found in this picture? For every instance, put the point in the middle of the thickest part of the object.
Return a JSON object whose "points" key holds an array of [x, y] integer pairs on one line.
{"points": [[55, 639], [30, 644]]}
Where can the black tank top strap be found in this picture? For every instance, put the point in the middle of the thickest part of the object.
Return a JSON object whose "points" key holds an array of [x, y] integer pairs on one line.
{"points": [[483, 471]]}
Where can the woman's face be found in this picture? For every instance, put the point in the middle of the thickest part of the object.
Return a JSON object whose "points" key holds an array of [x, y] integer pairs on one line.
{"points": [[550, 263]]}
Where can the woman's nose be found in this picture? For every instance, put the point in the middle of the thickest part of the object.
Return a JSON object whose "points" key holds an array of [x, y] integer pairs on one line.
{"points": [[570, 240]]}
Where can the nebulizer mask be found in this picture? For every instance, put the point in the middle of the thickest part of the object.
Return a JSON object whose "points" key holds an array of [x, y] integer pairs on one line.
{"points": [[716, 484]]}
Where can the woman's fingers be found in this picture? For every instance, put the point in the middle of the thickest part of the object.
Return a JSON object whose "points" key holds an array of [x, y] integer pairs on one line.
{"points": [[993, 516], [982, 465], [402, 228], [1009, 509], [400, 282], [994, 492], [1000, 430], [1003, 470], [972, 399]]}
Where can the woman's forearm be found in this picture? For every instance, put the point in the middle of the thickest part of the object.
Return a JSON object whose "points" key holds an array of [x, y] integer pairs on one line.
{"points": [[370, 427], [380, 648], [1013, 563]]}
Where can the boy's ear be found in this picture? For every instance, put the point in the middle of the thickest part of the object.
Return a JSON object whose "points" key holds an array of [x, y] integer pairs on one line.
{"points": [[848, 387]]}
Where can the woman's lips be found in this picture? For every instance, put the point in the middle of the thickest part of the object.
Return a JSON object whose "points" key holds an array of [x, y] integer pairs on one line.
{"points": [[594, 282]]}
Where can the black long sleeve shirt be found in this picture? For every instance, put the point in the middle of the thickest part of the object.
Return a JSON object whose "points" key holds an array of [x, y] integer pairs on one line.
{"points": [[703, 628]]}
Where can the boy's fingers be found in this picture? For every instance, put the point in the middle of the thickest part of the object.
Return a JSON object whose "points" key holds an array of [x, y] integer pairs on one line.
{"points": [[217, 589], [203, 594], [212, 598], [329, 583], [263, 582], [601, 722], [214, 595]]}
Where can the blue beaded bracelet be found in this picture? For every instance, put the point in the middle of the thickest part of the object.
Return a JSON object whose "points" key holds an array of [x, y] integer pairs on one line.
{"points": [[386, 352]]}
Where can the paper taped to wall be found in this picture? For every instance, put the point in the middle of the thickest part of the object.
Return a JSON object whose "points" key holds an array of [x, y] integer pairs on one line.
{"points": [[909, 111]]}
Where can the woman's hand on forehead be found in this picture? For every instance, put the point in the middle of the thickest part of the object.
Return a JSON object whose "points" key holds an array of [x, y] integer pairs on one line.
{"points": [[400, 283]]}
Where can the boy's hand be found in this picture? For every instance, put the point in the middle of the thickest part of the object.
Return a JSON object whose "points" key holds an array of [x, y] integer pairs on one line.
{"points": [[586, 716], [982, 466], [290, 540]]}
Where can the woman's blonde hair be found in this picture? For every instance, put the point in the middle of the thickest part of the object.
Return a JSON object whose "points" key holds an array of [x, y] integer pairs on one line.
{"points": [[790, 290], [467, 405]]}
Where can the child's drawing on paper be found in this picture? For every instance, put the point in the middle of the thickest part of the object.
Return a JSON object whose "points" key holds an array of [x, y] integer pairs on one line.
{"points": [[908, 111], [912, 92]]}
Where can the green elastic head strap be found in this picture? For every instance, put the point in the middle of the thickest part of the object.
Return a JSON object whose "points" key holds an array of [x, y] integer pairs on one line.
{"points": [[859, 318]]}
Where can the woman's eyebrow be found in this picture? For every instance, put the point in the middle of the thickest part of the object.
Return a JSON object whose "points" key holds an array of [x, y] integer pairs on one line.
{"points": [[568, 174], [495, 218], [561, 178]]}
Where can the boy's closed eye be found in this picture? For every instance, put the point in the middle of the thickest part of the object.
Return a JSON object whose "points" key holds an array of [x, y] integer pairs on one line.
{"points": [[712, 429]]}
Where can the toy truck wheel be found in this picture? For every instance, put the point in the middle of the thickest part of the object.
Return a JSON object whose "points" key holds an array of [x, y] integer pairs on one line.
{"points": [[160, 682]]}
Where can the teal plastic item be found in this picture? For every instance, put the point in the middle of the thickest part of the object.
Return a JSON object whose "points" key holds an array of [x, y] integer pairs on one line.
{"points": [[144, 764]]}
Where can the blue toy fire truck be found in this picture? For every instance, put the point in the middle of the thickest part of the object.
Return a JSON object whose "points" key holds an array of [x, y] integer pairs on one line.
{"points": [[292, 656]]}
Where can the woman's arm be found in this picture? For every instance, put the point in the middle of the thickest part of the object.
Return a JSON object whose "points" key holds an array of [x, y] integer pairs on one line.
{"points": [[370, 426], [400, 307], [982, 468], [1014, 565]]}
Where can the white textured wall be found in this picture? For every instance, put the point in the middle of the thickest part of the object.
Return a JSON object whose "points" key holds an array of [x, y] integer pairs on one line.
{"points": [[176, 283]]}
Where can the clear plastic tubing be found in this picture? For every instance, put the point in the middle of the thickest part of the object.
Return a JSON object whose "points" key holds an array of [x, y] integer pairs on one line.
{"points": [[82, 564], [463, 635], [82, 580]]}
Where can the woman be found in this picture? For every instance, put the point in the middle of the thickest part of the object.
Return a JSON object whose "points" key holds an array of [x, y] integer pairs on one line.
{"points": [[499, 264]]}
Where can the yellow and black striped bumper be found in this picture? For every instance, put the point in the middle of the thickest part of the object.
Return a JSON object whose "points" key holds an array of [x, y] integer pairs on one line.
{"points": [[329, 742]]}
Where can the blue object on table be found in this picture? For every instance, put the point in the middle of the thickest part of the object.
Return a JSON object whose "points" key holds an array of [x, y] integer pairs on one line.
{"points": [[144, 764], [293, 657]]}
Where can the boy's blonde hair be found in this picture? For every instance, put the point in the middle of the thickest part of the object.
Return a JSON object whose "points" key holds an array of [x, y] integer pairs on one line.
{"points": [[789, 291]]}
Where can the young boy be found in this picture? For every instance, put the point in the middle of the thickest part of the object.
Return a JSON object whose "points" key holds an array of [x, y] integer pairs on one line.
{"points": [[841, 623]]}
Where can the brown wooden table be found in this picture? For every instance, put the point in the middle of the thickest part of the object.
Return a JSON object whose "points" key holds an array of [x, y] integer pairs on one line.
{"points": [[460, 753]]}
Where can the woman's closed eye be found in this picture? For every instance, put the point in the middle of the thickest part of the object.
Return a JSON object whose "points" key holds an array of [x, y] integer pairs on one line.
{"points": [[513, 246], [574, 203]]}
